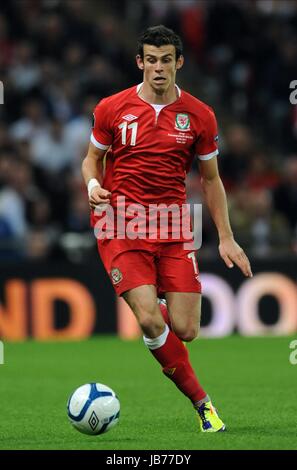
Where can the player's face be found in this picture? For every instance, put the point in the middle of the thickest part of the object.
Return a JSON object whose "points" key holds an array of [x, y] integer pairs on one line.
{"points": [[159, 66]]}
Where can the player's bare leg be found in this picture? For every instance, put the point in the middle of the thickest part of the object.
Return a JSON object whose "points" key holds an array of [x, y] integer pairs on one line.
{"points": [[144, 304], [165, 345], [184, 309]]}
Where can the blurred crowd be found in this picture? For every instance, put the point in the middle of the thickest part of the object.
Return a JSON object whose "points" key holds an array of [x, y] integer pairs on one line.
{"points": [[58, 58]]}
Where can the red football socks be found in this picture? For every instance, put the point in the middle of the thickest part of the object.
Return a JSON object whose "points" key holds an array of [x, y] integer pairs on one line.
{"points": [[165, 314], [173, 356]]}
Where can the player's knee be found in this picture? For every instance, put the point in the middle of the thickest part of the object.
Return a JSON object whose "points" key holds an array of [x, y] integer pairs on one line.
{"points": [[187, 334], [146, 322], [151, 325], [148, 315]]}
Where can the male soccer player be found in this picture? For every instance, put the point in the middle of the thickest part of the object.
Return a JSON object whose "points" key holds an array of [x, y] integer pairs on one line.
{"points": [[154, 131]]}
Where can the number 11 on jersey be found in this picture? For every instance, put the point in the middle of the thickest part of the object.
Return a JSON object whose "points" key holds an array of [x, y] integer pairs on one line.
{"points": [[124, 126]]}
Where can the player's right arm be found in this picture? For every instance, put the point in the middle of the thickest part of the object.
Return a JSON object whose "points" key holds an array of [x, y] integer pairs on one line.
{"points": [[92, 169]]}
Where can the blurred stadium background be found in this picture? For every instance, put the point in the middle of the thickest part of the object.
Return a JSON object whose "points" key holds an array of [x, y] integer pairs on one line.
{"points": [[58, 58]]}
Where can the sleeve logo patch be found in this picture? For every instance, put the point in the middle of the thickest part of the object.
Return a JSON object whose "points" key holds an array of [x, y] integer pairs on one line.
{"points": [[116, 275]]}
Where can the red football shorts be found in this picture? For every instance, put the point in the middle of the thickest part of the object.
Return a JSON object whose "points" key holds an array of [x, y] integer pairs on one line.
{"points": [[134, 263]]}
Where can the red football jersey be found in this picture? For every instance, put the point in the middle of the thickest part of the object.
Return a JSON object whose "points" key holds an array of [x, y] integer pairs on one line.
{"points": [[151, 153]]}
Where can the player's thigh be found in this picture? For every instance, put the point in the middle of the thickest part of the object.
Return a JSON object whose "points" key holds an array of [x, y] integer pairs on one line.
{"points": [[128, 268], [142, 299], [144, 304], [184, 309]]}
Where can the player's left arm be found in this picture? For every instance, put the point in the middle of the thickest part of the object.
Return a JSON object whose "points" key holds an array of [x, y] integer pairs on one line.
{"points": [[215, 198]]}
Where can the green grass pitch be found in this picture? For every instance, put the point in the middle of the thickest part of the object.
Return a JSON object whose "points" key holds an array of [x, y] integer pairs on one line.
{"points": [[250, 380]]}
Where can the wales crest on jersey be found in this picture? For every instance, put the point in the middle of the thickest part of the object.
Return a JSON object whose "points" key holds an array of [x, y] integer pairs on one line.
{"points": [[182, 122]]}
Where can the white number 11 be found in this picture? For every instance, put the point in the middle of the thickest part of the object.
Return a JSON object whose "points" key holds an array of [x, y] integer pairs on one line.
{"points": [[124, 126]]}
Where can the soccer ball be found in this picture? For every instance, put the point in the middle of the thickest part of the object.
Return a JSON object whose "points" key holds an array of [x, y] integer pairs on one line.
{"points": [[93, 408]]}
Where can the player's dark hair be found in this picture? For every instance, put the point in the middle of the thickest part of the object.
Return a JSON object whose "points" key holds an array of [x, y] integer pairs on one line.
{"points": [[160, 36]]}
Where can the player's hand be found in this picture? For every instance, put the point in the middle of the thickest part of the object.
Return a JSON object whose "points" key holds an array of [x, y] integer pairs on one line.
{"points": [[232, 254], [99, 196]]}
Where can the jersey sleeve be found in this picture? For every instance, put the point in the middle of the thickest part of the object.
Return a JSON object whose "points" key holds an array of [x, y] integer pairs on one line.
{"points": [[207, 143], [102, 134]]}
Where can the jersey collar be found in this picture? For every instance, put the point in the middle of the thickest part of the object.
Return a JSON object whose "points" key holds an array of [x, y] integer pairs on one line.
{"points": [[176, 86]]}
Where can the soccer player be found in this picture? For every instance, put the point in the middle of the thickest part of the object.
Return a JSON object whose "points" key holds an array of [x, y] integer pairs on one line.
{"points": [[154, 131]]}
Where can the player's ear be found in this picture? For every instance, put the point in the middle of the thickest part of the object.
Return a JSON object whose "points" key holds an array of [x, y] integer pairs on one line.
{"points": [[139, 62], [180, 62]]}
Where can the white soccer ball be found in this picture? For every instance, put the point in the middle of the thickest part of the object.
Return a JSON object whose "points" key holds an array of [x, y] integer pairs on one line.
{"points": [[93, 408]]}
